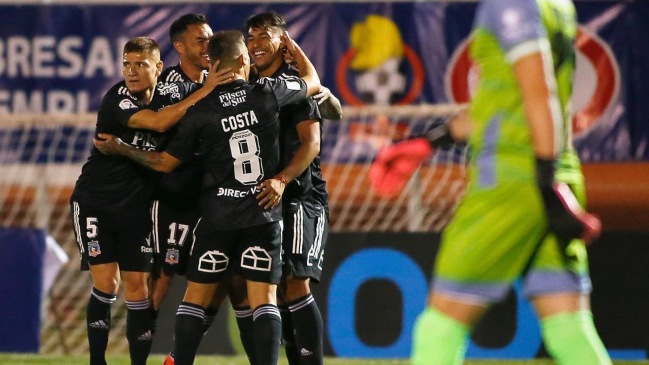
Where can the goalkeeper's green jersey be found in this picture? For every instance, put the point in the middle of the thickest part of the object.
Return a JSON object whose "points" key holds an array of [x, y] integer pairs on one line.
{"points": [[505, 31]]}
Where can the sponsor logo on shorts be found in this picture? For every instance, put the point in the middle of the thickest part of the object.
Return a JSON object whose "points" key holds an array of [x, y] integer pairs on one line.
{"points": [[93, 249], [172, 256], [213, 261], [256, 258], [145, 249]]}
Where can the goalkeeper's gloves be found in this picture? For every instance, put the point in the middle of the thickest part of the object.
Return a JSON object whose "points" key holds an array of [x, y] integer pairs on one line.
{"points": [[566, 218], [395, 164]]}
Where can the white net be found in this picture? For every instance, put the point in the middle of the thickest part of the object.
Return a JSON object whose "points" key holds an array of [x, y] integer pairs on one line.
{"points": [[41, 157]]}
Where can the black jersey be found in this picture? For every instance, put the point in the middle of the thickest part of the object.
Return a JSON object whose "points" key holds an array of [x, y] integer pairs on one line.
{"points": [[180, 188], [309, 188], [236, 131], [116, 182]]}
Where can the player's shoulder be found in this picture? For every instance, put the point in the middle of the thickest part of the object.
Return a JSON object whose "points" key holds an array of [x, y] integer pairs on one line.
{"points": [[119, 95], [507, 13], [173, 74]]}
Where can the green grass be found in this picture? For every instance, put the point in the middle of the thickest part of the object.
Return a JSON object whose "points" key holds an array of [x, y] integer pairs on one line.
{"points": [[31, 359]]}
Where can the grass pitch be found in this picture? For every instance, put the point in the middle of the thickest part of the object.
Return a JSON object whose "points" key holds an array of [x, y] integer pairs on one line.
{"points": [[35, 359]]}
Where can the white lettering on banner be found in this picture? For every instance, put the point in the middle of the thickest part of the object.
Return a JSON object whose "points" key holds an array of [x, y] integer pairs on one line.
{"points": [[40, 101], [67, 57]]}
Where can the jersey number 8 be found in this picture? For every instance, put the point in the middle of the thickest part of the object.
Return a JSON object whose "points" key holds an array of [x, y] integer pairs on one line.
{"points": [[244, 146]]}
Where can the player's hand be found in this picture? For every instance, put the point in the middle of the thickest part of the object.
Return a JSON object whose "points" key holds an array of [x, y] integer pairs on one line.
{"points": [[271, 192], [107, 144], [293, 50], [323, 95], [566, 217], [219, 77], [395, 164]]}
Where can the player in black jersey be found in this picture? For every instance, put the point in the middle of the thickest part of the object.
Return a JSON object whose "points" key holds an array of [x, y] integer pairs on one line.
{"points": [[236, 125], [111, 199], [175, 210], [305, 202]]}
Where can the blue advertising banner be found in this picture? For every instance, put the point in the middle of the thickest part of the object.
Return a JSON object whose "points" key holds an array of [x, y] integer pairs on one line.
{"points": [[61, 59]]}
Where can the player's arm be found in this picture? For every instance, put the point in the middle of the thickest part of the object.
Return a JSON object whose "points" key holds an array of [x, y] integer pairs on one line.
{"points": [[535, 77], [158, 161], [307, 71], [328, 104], [309, 133], [540, 102], [162, 120]]}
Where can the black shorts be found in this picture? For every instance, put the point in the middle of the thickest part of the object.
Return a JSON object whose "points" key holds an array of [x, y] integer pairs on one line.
{"points": [[303, 242], [252, 252], [105, 237], [172, 236]]}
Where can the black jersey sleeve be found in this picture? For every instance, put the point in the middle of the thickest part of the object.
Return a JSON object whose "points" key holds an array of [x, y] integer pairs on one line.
{"points": [[287, 90], [295, 113], [117, 107], [184, 143]]}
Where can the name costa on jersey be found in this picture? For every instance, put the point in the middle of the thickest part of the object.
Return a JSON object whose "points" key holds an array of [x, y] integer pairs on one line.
{"points": [[241, 120]]}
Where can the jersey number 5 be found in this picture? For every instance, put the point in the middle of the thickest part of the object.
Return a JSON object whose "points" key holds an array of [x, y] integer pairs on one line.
{"points": [[244, 146]]}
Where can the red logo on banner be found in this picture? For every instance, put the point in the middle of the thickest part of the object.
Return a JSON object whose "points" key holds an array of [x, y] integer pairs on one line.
{"points": [[596, 87], [350, 97]]}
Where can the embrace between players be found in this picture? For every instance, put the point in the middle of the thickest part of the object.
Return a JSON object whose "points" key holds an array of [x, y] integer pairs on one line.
{"points": [[234, 149]]}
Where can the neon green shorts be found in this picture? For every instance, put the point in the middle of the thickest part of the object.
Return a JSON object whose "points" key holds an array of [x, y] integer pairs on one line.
{"points": [[500, 234]]}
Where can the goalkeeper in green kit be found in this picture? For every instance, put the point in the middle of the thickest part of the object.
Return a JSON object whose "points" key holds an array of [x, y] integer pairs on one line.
{"points": [[521, 215]]}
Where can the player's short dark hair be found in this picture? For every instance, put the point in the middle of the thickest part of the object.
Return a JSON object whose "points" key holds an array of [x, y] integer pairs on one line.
{"points": [[141, 44], [225, 46], [179, 26], [266, 20]]}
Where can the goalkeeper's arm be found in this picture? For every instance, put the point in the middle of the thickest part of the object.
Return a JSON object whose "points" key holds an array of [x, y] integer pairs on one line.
{"points": [[566, 218]]}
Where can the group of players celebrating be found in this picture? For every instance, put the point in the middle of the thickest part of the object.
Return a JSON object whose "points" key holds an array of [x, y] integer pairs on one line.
{"points": [[209, 169], [239, 145]]}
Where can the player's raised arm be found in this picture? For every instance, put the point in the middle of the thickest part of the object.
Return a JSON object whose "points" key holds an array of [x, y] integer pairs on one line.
{"points": [[308, 72], [166, 118], [158, 161]]}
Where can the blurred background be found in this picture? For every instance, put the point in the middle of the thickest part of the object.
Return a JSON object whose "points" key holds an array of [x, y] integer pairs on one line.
{"points": [[398, 67]]}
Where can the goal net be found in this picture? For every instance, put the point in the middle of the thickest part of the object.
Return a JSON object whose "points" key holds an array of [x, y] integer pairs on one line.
{"points": [[41, 157]]}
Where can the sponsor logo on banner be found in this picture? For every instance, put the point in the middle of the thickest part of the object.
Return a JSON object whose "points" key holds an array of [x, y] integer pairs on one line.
{"points": [[379, 68], [596, 88]]}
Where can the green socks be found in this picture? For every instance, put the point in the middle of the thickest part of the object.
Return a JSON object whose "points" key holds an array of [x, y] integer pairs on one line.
{"points": [[438, 339], [571, 338]]}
